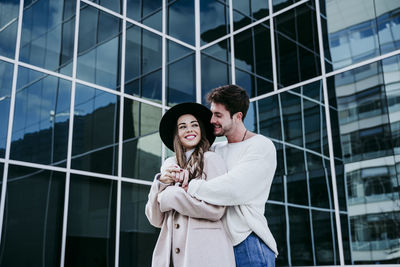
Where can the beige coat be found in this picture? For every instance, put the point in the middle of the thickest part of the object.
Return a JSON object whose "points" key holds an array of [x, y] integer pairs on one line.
{"points": [[192, 234]]}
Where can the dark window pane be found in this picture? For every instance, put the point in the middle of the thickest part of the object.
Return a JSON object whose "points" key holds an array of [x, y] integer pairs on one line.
{"points": [[181, 13], [181, 83], [323, 238], [47, 38], [41, 118], [6, 77], [214, 20], [287, 61], [114, 5], [300, 237], [99, 48], [250, 121], [147, 12], [91, 222], [141, 157], [313, 125], [246, 12], [214, 73], [280, 4], [95, 137], [292, 121], [276, 218], [297, 188], [319, 184], [270, 119], [8, 25], [137, 237], [33, 217], [177, 51], [294, 160]]}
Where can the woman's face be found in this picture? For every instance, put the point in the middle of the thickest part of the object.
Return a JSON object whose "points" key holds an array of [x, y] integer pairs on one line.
{"points": [[189, 132]]}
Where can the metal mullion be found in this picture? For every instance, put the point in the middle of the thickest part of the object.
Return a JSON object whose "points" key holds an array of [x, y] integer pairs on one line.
{"points": [[232, 43], [163, 68], [273, 50], [11, 116], [120, 137], [197, 51], [329, 135], [70, 133]]}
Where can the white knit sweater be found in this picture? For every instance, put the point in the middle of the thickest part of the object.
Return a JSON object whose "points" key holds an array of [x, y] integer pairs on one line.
{"points": [[244, 188]]}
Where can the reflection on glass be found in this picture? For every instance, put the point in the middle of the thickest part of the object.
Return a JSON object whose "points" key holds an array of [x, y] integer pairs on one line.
{"points": [[280, 4], [323, 238], [270, 118], [296, 42], [292, 118], [137, 237], [313, 125], [214, 20], [300, 236], [363, 35], [143, 63], [95, 136], [276, 218], [141, 157], [115, 6], [216, 66], [180, 20], [91, 222], [99, 53], [246, 12], [33, 218], [181, 81], [41, 118], [8, 25], [6, 77], [47, 39], [147, 12]]}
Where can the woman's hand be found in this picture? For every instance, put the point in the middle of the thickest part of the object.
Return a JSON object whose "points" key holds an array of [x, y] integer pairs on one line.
{"points": [[170, 175]]}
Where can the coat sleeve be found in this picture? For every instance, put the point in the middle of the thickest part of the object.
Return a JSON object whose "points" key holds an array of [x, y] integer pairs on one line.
{"points": [[249, 178], [175, 198], [152, 209]]}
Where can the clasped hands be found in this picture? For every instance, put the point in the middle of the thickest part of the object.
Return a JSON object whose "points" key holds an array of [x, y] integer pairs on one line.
{"points": [[175, 175]]}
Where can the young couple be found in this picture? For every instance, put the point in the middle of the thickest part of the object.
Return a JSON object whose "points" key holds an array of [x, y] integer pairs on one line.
{"points": [[210, 205]]}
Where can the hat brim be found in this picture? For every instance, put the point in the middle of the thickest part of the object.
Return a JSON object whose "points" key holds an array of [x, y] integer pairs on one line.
{"points": [[170, 118]]}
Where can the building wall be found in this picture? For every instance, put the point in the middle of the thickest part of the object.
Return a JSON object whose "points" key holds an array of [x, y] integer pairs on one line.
{"points": [[83, 86]]}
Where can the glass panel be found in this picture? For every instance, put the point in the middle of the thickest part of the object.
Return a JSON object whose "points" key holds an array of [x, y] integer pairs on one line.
{"points": [[313, 125], [91, 222], [141, 157], [33, 217], [99, 53], [246, 12], [280, 4], [41, 118], [6, 77], [47, 38], [300, 237], [114, 5], [147, 12], [296, 42], [181, 83], [214, 73], [137, 237], [179, 13], [318, 181], [276, 217], [323, 238], [95, 137], [8, 25], [363, 35], [292, 118], [143, 61], [214, 20], [270, 118]]}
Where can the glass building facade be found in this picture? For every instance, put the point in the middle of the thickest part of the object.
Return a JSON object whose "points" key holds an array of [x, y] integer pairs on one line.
{"points": [[84, 84]]}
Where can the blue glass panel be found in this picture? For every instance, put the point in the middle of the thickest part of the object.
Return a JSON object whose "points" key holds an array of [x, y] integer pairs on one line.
{"points": [[41, 118], [181, 13], [214, 20], [147, 12], [6, 77]]}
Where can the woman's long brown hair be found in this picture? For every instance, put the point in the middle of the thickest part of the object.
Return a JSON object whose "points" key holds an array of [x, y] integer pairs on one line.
{"points": [[195, 163]]}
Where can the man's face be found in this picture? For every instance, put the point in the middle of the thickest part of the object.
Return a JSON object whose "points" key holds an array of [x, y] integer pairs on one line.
{"points": [[221, 119]]}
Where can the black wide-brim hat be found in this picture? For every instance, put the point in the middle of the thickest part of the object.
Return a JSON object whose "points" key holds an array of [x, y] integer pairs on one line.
{"points": [[170, 118]]}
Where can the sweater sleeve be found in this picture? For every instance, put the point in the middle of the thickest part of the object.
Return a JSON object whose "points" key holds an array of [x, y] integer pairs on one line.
{"points": [[249, 178], [175, 198], [152, 209]]}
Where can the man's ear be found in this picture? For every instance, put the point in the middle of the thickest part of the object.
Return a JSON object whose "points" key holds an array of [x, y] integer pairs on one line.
{"points": [[239, 116]]}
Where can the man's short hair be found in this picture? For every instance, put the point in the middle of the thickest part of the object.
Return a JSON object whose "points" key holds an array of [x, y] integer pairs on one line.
{"points": [[233, 97]]}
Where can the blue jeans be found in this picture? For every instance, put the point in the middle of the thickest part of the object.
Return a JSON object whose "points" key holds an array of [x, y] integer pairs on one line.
{"points": [[252, 252]]}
